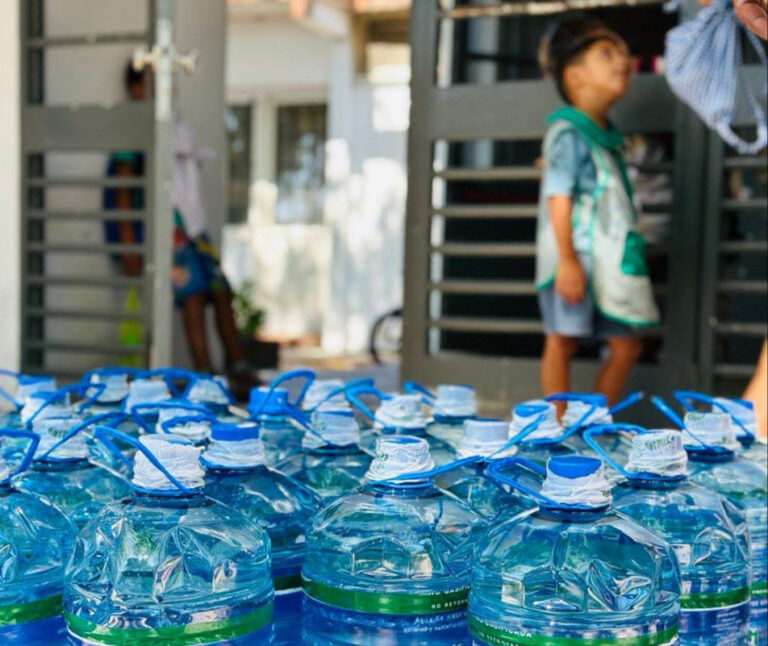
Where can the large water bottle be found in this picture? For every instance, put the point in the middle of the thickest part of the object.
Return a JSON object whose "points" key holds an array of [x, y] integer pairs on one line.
{"points": [[389, 564], [573, 571], [62, 473], [398, 414], [451, 404], [486, 440], [713, 454], [277, 415], [238, 477], [707, 532], [35, 541], [168, 565], [743, 421], [331, 461]]}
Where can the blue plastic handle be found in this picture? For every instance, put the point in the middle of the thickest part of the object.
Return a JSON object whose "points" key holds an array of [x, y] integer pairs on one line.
{"points": [[102, 417], [353, 398], [588, 398], [610, 429], [307, 375], [29, 454], [571, 430], [185, 405], [630, 400], [78, 389], [414, 388], [668, 412], [105, 434], [685, 397], [343, 390], [168, 375]]}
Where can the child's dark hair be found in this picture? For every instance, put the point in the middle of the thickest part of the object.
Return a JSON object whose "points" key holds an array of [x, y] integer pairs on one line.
{"points": [[565, 43]]}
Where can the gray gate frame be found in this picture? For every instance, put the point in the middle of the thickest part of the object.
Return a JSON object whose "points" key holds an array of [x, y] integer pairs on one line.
{"points": [[515, 110]]}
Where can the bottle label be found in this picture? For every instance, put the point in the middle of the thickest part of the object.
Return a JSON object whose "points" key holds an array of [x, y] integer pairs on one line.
{"points": [[757, 520], [250, 624], [27, 623], [388, 604], [485, 634], [722, 617]]}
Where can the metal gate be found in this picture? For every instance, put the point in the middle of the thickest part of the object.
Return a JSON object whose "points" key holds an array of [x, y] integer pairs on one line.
{"points": [[75, 298], [470, 305]]}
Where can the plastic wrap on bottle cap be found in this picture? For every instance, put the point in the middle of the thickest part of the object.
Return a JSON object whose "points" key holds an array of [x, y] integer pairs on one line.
{"points": [[335, 427], [576, 410], [52, 429], [527, 412], [115, 387], [180, 458], [399, 455], [209, 390], [742, 411], [195, 431], [714, 429], [455, 401], [29, 384], [236, 446], [319, 390], [146, 391], [658, 452], [402, 411], [62, 407], [484, 438], [577, 480]]}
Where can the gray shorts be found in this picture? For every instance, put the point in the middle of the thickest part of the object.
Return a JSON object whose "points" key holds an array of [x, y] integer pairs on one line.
{"points": [[581, 321]]}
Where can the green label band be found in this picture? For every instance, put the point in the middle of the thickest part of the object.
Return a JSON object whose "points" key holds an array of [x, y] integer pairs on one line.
{"points": [[23, 613], [759, 589], [388, 604], [203, 633], [287, 582], [500, 637], [704, 601]]}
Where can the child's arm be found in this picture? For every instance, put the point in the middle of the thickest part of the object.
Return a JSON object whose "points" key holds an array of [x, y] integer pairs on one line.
{"points": [[570, 279]]}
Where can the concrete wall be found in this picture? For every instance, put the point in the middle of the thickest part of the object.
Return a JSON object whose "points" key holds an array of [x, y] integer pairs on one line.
{"points": [[336, 277], [10, 292]]}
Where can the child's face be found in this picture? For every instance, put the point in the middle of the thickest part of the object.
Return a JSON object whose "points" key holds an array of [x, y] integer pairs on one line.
{"points": [[604, 68]]}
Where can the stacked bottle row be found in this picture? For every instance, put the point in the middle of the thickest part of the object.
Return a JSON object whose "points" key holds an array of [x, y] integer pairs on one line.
{"points": [[144, 507]]}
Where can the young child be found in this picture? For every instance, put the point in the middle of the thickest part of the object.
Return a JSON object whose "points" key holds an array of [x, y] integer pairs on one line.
{"points": [[590, 267]]}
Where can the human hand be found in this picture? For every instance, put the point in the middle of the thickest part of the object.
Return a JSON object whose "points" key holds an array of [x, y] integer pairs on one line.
{"points": [[571, 281], [754, 14]]}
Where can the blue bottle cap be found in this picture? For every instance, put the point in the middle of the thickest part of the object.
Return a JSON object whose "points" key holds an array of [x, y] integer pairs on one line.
{"points": [[275, 404], [235, 432], [573, 466]]}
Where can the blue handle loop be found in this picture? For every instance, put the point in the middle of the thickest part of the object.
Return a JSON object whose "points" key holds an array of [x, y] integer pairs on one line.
{"points": [[611, 429], [496, 467], [343, 390], [630, 400], [29, 454], [414, 388], [354, 395], [221, 386], [307, 375], [568, 432], [668, 412], [685, 397], [168, 375], [406, 480], [184, 419], [118, 416], [105, 435], [595, 399], [79, 389], [136, 409]]}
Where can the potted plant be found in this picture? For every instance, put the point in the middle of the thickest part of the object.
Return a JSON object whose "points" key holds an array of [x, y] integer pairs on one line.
{"points": [[249, 319]]}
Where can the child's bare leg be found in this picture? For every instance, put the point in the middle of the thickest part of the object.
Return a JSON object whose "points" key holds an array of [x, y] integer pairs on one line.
{"points": [[225, 322], [556, 365], [624, 352], [193, 313], [757, 391]]}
